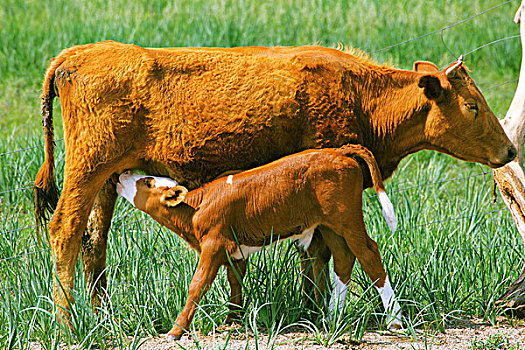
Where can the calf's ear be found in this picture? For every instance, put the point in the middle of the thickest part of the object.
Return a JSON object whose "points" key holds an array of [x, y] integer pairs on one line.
{"points": [[173, 196], [425, 66], [431, 86]]}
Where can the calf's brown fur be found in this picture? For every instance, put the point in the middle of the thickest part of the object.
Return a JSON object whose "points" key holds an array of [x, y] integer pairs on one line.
{"points": [[225, 219], [194, 113]]}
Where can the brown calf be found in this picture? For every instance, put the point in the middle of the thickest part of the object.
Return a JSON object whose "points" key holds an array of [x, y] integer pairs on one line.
{"points": [[232, 217], [194, 113]]}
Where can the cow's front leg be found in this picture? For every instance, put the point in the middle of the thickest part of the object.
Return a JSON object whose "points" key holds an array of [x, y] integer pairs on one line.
{"points": [[95, 238]]}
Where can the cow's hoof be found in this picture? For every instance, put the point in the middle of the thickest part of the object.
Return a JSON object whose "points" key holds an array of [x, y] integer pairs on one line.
{"points": [[173, 337]]}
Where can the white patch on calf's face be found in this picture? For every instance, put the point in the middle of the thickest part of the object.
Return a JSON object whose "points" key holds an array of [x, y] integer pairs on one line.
{"points": [[127, 186], [229, 180], [244, 251], [164, 182]]}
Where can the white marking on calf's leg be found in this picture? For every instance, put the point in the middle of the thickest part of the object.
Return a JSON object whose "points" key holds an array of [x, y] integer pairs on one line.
{"points": [[391, 305], [338, 297], [388, 210]]}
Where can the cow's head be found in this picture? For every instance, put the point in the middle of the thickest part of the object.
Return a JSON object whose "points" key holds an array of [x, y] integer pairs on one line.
{"points": [[460, 122], [150, 193]]}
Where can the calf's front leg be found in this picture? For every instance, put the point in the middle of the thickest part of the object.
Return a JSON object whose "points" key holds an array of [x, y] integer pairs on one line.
{"points": [[213, 255]]}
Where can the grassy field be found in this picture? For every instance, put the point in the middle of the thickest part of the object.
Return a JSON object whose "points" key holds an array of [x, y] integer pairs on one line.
{"points": [[455, 251]]}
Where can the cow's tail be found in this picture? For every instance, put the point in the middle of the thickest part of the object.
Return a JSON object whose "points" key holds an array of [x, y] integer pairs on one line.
{"points": [[45, 190], [377, 182]]}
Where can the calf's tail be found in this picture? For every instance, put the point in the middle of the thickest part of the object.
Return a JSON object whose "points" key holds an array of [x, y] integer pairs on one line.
{"points": [[377, 182], [45, 190]]}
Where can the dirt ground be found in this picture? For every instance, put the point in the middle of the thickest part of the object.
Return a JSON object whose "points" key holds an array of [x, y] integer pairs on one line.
{"points": [[472, 334]]}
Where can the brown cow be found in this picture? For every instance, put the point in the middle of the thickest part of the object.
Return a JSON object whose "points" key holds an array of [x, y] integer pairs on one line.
{"points": [[230, 218], [193, 113]]}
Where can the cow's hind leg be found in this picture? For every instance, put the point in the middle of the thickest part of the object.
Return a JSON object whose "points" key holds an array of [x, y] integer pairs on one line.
{"points": [[94, 239], [66, 228]]}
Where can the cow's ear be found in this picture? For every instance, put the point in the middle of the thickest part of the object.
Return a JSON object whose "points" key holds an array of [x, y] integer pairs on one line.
{"points": [[173, 196], [425, 67], [431, 87]]}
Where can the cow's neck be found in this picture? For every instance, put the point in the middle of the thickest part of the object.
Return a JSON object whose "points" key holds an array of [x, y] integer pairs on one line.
{"points": [[396, 111]]}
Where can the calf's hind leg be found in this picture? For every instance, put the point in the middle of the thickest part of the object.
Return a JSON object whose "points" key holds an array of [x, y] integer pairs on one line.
{"points": [[344, 261], [314, 268], [235, 273], [367, 253]]}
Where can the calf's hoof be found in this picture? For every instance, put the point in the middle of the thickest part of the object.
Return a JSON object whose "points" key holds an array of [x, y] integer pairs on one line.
{"points": [[395, 324], [233, 317], [175, 333], [173, 337]]}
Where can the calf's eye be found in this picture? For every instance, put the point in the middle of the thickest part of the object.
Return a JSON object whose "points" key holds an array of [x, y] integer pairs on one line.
{"points": [[148, 183]]}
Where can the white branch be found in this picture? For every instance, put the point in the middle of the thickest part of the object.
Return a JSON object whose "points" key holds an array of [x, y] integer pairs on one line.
{"points": [[514, 122]]}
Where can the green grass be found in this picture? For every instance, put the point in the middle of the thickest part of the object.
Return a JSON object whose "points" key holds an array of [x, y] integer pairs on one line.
{"points": [[454, 252], [494, 342]]}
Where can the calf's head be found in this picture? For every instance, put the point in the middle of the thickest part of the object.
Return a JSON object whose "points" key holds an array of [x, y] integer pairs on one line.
{"points": [[460, 122], [150, 193]]}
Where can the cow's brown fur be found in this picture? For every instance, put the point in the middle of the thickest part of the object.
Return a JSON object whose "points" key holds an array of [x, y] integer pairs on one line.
{"points": [[283, 198], [193, 113]]}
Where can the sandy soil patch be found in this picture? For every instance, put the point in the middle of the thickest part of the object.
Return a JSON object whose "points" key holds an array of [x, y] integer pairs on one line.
{"points": [[463, 335]]}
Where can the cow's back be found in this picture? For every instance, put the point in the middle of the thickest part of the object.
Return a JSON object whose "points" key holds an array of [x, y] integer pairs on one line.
{"points": [[195, 111]]}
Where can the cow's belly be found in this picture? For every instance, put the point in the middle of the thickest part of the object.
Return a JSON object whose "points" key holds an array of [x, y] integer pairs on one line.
{"points": [[195, 161]]}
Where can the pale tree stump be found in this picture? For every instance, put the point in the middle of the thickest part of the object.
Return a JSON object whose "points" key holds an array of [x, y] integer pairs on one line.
{"points": [[510, 178]]}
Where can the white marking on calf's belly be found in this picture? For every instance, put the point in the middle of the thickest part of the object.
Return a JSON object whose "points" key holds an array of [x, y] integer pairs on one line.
{"points": [[244, 251], [304, 240]]}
